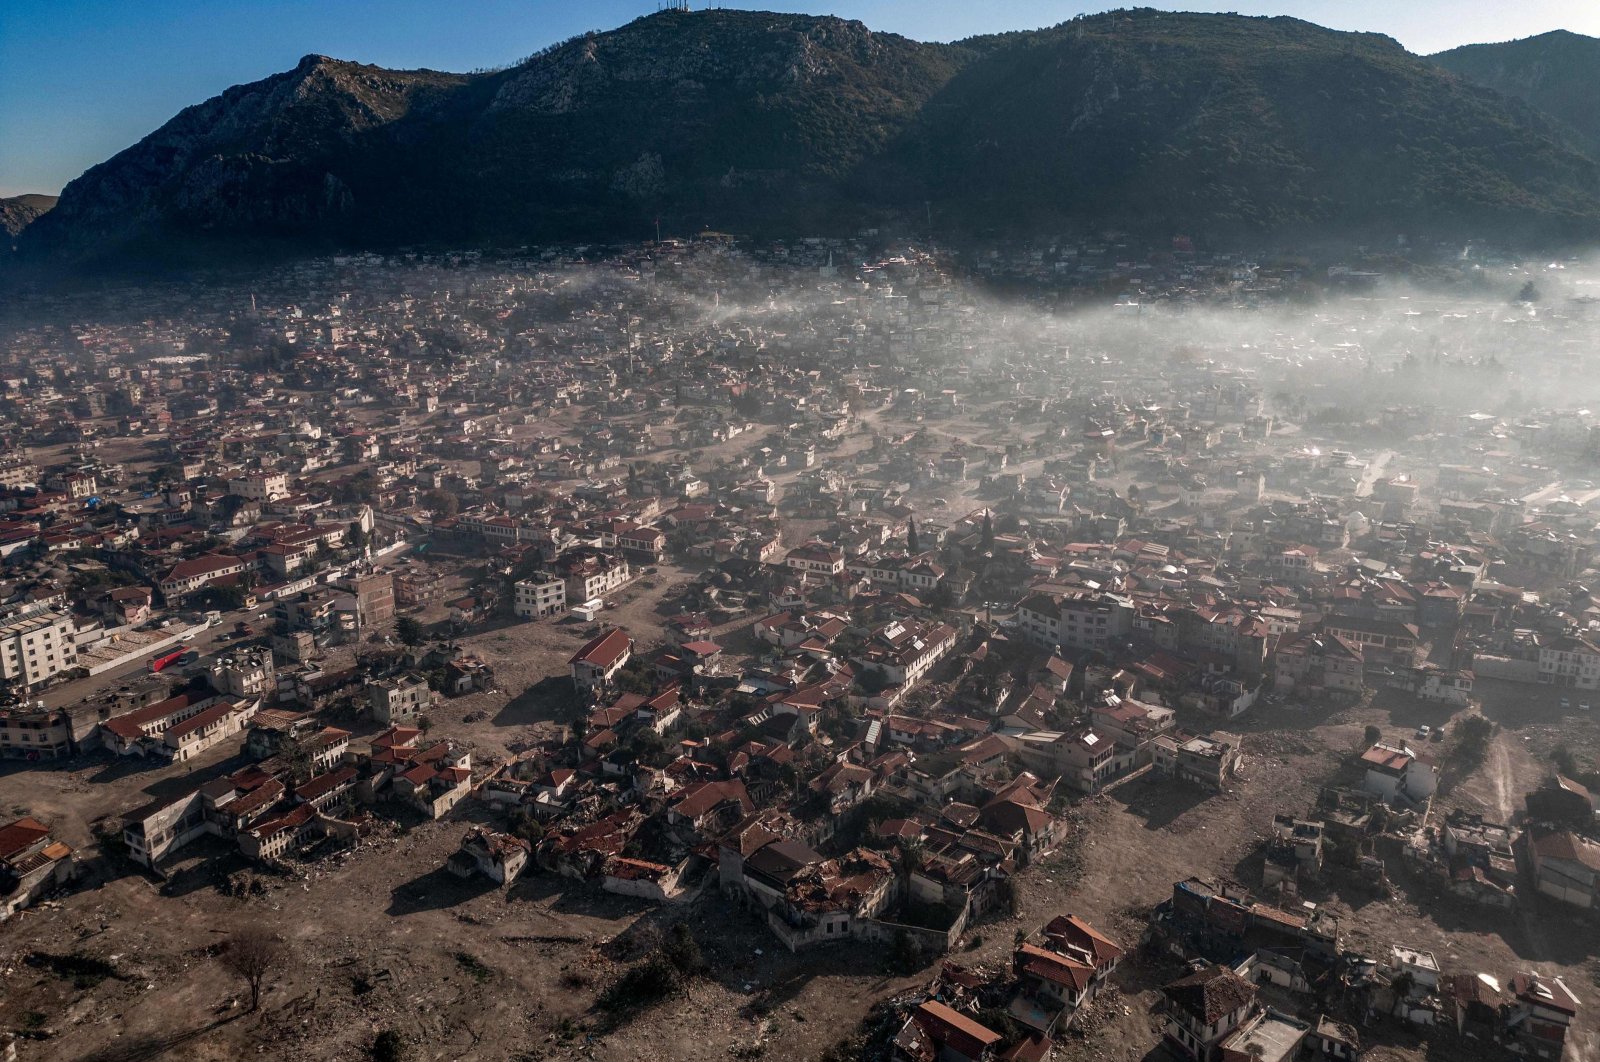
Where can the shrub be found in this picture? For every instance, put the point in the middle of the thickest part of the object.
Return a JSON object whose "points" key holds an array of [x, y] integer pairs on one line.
{"points": [[642, 984], [83, 971], [474, 967], [388, 1047], [1565, 761], [681, 950]]}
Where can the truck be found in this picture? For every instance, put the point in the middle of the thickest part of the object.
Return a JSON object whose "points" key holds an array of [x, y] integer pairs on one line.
{"points": [[163, 660]]}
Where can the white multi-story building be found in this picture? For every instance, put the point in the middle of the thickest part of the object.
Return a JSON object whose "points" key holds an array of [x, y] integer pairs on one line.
{"points": [[540, 596], [1395, 771], [815, 557], [595, 576], [1570, 661], [596, 663], [260, 486], [36, 648], [1085, 622], [17, 471], [903, 651], [196, 573]]}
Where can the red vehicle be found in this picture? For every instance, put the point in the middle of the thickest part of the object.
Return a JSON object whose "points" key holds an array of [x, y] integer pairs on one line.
{"points": [[162, 661]]}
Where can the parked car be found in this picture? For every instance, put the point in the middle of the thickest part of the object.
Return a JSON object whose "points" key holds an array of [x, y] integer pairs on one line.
{"points": [[1565, 704], [1423, 732]]}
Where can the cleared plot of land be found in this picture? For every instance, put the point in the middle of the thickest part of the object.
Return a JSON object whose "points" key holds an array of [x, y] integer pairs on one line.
{"points": [[529, 659], [382, 938]]}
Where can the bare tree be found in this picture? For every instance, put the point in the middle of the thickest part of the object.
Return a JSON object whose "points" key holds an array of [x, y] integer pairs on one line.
{"points": [[253, 953]]}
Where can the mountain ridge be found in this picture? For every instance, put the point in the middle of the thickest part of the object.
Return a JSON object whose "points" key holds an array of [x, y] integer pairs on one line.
{"points": [[17, 212], [1558, 73], [775, 123]]}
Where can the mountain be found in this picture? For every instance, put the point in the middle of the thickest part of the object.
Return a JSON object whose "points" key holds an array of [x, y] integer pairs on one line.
{"points": [[1218, 125], [20, 211], [260, 160], [1557, 73], [1228, 124], [717, 117]]}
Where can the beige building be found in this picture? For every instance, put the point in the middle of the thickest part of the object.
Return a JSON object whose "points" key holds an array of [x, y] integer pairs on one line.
{"points": [[260, 486], [35, 733], [595, 576], [37, 648], [596, 663], [245, 674], [17, 471], [400, 699]]}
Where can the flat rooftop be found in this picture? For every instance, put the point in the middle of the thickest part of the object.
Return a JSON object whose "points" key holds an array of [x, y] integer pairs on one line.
{"points": [[1275, 1038]]}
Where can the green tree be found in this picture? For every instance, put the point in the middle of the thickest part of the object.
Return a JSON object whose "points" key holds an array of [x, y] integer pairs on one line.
{"points": [[409, 630], [647, 746], [166, 474], [1472, 740], [911, 535], [442, 503], [908, 860], [297, 757], [355, 489], [526, 825], [629, 680], [904, 955], [872, 682]]}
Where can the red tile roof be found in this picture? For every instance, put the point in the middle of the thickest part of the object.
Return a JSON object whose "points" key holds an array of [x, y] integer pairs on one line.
{"points": [[947, 1026], [1210, 993], [24, 833], [603, 650], [1075, 931]]}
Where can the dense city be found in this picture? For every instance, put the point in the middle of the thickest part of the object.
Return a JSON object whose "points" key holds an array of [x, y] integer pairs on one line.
{"points": [[830, 647]]}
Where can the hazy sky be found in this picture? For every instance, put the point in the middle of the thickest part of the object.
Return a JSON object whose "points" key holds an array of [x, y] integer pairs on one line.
{"points": [[82, 79]]}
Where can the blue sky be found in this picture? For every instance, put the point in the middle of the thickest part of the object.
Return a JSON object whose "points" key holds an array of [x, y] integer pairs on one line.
{"points": [[82, 79]]}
